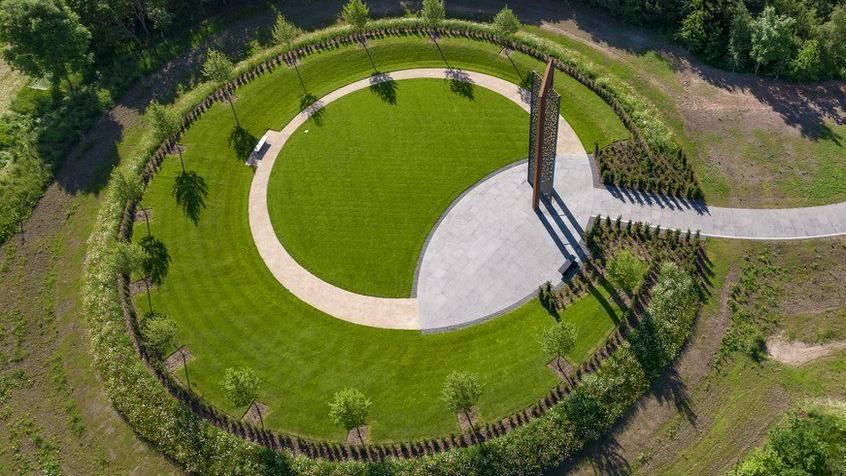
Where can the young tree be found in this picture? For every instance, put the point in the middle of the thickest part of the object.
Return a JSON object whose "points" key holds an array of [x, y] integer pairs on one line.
{"points": [[461, 391], [625, 270], [506, 23], [349, 408], [240, 385], [772, 40], [43, 37], [218, 69], [356, 13], [558, 340], [164, 120], [433, 13], [159, 333], [284, 33], [740, 36]]}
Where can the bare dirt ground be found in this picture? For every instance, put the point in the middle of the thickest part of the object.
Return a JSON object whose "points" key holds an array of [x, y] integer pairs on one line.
{"points": [[797, 353]]}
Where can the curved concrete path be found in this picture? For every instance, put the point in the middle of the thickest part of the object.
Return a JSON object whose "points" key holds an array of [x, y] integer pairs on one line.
{"points": [[490, 251], [389, 313]]}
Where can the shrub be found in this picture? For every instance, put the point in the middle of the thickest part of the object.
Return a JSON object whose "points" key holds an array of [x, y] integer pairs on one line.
{"points": [[625, 270]]}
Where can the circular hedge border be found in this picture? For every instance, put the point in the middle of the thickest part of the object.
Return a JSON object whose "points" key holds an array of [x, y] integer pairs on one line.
{"points": [[186, 428]]}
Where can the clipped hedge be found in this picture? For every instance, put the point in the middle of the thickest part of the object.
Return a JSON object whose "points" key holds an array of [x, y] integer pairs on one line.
{"points": [[199, 446]]}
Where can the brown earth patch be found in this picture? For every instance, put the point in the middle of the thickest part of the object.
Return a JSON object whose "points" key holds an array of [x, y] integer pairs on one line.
{"points": [[140, 286], [256, 413], [561, 368], [795, 353], [143, 215], [358, 436], [465, 424], [178, 359]]}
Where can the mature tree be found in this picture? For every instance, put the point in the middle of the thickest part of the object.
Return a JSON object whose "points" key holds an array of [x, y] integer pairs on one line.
{"points": [[740, 36], [164, 120], [159, 333], [433, 13], [240, 385], [43, 36], [506, 23], [461, 391], [773, 40], [349, 408], [218, 69], [625, 270], [558, 340]]}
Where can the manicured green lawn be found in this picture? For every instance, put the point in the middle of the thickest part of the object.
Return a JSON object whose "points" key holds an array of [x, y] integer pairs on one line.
{"points": [[353, 199], [232, 312]]}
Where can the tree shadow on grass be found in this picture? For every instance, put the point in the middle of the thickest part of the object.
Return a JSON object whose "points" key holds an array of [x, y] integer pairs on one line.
{"points": [[242, 142], [460, 83], [190, 191], [313, 107], [383, 86], [156, 260]]}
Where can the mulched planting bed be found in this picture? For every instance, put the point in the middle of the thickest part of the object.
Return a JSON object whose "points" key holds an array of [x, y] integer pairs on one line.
{"points": [[465, 424], [629, 164], [178, 359], [252, 416], [358, 436]]}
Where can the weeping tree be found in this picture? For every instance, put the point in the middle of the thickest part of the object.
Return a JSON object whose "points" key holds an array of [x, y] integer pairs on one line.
{"points": [[240, 386], [349, 408], [284, 33], [461, 391], [218, 69], [166, 124], [356, 13]]}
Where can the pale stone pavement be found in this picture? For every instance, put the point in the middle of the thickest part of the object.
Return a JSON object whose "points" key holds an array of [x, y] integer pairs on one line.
{"points": [[490, 251]]}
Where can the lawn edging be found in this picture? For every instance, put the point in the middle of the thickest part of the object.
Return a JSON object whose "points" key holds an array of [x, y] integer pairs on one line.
{"points": [[545, 433]]}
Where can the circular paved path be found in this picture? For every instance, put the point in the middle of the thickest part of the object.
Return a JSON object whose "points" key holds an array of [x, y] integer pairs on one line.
{"points": [[490, 251]]}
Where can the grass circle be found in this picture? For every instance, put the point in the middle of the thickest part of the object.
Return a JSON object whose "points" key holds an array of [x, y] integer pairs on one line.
{"points": [[355, 192]]}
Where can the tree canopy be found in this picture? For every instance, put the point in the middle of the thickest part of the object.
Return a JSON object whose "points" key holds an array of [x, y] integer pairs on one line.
{"points": [[559, 339], [356, 13], [461, 391], [43, 37], [349, 408], [433, 12], [506, 23], [284, 32], [240, 385]]}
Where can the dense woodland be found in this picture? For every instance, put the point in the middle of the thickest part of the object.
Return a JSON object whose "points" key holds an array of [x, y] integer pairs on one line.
{"points": [[792, 39]]}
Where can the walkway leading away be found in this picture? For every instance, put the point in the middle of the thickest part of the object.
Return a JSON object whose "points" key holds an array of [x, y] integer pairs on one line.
{"points": [[490, 251]]}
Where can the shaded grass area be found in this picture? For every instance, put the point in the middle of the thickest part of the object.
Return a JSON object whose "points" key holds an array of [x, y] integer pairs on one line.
{"points": [[232, 312], [353, 198]]}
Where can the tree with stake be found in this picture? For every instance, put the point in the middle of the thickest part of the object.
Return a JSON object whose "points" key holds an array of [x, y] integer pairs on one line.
{"points": [[349, 408], [356, 13], [461, 391], [558, 340], [433, 13], [43, 37], [218, 69], [284, 33], [241, 388]]}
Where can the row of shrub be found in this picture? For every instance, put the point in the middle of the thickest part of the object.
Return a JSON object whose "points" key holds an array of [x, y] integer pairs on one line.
{"points": [[201, 447], [628, 164]]}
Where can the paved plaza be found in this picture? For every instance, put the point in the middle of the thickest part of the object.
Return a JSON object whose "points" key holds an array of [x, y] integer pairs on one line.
{"points": [[489, 252]]}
